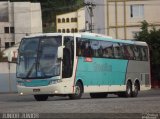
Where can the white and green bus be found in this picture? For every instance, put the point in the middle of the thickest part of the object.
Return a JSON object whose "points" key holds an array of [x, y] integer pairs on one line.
{"points": [[66, 64]]}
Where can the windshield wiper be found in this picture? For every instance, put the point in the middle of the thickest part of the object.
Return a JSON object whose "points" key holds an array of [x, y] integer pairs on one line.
{"points": [[30, 70]]}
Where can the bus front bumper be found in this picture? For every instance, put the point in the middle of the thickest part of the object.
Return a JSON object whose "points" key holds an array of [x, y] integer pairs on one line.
{"points": [[49, 90]]}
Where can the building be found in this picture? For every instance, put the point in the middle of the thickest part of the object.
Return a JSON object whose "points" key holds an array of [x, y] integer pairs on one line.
{"points": [[120, 19], [18, 19], [124, 17], [71, 22], [95, 16], [89, 18]]}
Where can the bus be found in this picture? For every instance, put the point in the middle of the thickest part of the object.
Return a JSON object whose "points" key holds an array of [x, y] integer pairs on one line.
{"points": [[70, 64]]}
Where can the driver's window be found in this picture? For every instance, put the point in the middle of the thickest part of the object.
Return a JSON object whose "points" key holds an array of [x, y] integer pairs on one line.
{"points": [[68, 57]]}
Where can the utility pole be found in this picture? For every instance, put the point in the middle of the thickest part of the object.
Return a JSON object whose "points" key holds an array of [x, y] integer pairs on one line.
{"points": [[90, 6], [0, 45]]}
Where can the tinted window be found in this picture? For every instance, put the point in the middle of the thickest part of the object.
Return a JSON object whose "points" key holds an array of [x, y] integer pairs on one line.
{"points": [[137, 52], [144, 53], [107, 49], [128, 52], [117, 50]]}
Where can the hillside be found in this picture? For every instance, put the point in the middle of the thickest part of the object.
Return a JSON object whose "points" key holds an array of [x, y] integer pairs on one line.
{"points": [[50, 8]]}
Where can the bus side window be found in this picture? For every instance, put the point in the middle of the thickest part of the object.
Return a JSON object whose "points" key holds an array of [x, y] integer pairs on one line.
{"points": [[105, 53], [145, 50], [110, 52], [129, 48], [88, 50], [140, 53], [126, 52], [117, 50], [137, 53], [144, 53], [79, 45], [95, 48]]}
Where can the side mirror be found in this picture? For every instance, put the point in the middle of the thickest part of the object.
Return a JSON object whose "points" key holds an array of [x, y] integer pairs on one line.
{"points": [[60, 52]]}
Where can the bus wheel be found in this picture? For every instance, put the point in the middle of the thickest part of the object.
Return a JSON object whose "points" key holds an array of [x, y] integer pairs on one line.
{"points": [[41, 97], [98, 95], [128, 89], [136, 89], [78, 91]]}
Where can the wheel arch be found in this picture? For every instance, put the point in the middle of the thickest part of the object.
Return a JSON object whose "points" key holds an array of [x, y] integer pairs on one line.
{"points": [[129, 80]]}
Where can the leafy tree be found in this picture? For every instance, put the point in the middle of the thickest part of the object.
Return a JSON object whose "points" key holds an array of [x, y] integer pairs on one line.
{"points": [[50, 8], [152, 37]]}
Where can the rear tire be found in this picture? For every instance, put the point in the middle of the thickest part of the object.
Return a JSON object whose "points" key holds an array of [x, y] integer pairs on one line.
{"points": [[78, 91], [98, 95], [136, 89], [41, 97]]}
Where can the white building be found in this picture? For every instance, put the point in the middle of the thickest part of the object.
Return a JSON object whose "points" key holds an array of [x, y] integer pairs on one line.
{"points": [[71, 22], [18, 19], [83, 19], [124, 17]]}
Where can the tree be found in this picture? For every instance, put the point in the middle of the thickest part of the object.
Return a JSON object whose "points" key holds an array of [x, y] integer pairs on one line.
{"points": [[51, 8], [152, 37]]}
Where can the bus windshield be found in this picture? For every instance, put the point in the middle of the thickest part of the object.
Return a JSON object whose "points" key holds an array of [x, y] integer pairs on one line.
{"points": [[38, 57]]}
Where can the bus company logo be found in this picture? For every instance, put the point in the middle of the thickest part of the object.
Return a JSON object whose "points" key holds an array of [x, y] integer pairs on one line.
{"points": [[88, 59], [102, 67], [28, 80]]}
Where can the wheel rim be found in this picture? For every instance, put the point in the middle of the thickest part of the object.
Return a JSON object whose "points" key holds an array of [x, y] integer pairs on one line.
{"points": [[129, 91], [78, 90]]}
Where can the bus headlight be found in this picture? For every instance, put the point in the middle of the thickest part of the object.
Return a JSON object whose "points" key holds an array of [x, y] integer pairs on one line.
{"points": [[55, 81]]}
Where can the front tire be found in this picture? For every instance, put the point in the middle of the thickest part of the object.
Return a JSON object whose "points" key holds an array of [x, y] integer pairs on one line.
{"points": [[41, 97], [78, 91], [128, 92]]}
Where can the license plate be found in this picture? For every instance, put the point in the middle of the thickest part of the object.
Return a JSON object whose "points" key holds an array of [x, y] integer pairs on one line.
{"points": [[36, 90]]}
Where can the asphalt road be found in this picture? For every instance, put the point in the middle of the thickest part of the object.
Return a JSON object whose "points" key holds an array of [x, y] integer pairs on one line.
{"points": [[146, 102]]}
